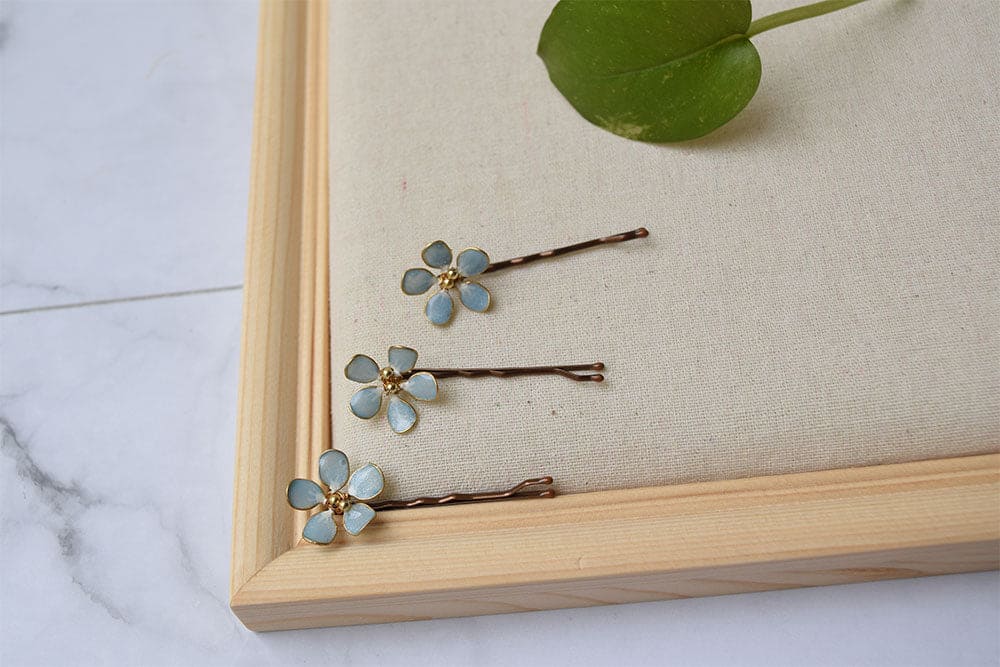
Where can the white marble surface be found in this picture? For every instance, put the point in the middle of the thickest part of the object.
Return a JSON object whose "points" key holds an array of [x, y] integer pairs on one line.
{"points": [[125, 129], [125, 140]]}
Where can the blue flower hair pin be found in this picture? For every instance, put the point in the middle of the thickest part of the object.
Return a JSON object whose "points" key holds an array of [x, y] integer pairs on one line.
{"points": [[344, 495], [473, 262], [402, 378]]}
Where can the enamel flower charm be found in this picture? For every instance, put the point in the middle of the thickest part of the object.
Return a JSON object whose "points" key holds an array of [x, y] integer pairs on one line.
{"points": [[471, 262], [396, 378], [343, 497]]}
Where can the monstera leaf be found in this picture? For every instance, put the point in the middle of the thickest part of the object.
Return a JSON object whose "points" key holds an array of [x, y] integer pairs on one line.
{"points": [[659, 70]]}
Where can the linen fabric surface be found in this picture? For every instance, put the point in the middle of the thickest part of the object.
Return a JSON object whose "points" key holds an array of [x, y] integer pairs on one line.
{"points": [[818, 290]]}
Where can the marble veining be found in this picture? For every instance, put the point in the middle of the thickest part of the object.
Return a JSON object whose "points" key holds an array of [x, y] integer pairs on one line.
{"points": [[62, 501], [106, 507], [65, 503]]}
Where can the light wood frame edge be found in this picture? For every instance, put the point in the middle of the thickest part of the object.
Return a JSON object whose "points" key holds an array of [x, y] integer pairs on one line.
{"points": [[835, 526]]}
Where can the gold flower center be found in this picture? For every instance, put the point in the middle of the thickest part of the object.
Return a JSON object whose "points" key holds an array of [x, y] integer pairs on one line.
{"points": [[338, 501], [449, 278], [390, 380]]}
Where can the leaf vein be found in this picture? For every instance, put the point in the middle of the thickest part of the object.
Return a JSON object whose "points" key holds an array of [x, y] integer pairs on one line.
{"points": [[674, 61]]}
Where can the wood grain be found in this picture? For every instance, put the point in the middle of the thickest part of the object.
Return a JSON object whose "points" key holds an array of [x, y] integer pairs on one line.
{"points": [[632, 545], [765, 533], [284, 397]]}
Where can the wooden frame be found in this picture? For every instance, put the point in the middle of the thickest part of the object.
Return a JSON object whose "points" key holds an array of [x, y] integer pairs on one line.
{"points": [[786, 531]]}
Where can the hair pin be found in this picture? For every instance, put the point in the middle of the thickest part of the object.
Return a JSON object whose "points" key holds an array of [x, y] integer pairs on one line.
{"points": [[344, 496], [402, 377], [473, 262]]}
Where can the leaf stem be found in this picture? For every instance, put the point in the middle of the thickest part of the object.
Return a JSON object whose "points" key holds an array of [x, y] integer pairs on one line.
{"points": [[779, 19]]}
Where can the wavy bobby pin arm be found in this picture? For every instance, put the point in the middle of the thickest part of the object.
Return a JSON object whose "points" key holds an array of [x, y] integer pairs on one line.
{"points": [[566, 371], [640, 233], [522, 490]]}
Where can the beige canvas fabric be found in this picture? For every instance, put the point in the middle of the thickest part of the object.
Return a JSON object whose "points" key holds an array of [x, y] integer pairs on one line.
{"points": [[819, 288]]}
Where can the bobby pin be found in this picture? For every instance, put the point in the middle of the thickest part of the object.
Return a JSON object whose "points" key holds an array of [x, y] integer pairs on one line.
{"points": [[472, 262], [344, 496], [639, 233], [401, 376], [564, 371], [522, 490]]}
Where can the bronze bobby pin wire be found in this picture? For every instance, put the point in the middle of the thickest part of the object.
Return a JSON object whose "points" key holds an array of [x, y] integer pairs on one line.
{"points": [[522, 490], [566, 371], [639, 233]]}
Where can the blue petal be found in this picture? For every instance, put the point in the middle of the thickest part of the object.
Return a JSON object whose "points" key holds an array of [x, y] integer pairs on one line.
{"points": [[437, 254], [421, 386], [439, 308], [320, 529], [333, 468], [304, 494], [474, 296], [417, 281], [361, 369], [472, 262], [402, 359], [365, 403], [357, 516], [401, 415], [366, 482]]}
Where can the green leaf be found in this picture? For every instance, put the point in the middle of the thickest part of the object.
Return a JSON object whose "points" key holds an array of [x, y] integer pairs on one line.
{"points": [[652, 70]]}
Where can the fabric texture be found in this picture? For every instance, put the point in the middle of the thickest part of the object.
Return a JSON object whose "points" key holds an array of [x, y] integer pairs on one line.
{"points": [[818, 290]]}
